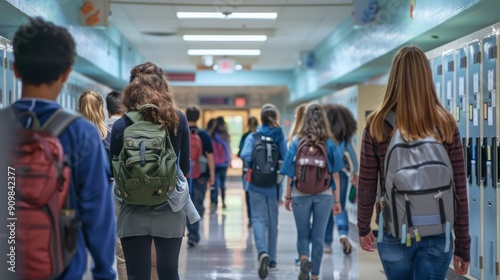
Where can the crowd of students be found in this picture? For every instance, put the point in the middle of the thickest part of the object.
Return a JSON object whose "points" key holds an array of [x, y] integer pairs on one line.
{"points": [[318, 160]]}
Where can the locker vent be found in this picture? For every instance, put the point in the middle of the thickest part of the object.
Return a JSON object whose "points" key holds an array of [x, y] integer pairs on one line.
{"points": [[463, 62], [477, 58], [491, 259], [475, 251], [492, 52], [440, 69], [451, 66]]}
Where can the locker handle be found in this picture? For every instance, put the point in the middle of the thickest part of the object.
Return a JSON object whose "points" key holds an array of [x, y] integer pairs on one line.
{"points": [[478, 161], [484, 159], [467, 145]]}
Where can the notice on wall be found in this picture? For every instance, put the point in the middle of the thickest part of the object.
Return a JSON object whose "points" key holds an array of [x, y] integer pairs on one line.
{"points": [[461, 86], [476, 82], [491, 79], [438, 90], [449, 94], [490, 116], [475, 117]]}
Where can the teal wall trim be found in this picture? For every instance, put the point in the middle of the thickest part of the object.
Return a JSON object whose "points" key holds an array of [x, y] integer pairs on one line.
{"points": [[352, 55], [241, 78], [103, 53]]}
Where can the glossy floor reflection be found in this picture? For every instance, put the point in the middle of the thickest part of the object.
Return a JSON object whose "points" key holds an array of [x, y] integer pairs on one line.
{"points": [[226, 250]]}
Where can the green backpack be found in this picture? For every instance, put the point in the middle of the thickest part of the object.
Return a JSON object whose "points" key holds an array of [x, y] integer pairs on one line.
{"points": [[145, 169]]}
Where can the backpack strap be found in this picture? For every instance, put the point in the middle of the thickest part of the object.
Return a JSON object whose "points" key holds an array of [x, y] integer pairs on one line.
{"points": [[133, 116], [58, 122]]}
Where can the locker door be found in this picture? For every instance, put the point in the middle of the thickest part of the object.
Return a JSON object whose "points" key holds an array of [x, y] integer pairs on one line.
{"points": [[10, 86], [475, 141], [490, 133], [438, 77], [2, 75], [448, 78]]}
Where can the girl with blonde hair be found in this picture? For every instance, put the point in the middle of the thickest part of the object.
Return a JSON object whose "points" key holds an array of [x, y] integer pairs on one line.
{"points": [[91, 107]]}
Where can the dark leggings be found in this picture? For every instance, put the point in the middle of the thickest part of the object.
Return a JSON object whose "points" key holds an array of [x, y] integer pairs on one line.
{"points": [[137, 252]]}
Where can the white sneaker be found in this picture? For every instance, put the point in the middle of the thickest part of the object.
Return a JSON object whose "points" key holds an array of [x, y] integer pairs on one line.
{"points": [[327, 248]]}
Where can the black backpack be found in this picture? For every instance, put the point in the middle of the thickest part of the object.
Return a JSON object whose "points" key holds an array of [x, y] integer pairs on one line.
{"points": [[265, 161]]}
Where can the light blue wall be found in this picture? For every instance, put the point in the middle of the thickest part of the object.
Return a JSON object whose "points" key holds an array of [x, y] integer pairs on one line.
{"points": [[347, 49], [103, 53]]}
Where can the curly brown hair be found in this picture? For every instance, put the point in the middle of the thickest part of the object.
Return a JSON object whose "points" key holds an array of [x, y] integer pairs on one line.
{"points": [[148, 85]]}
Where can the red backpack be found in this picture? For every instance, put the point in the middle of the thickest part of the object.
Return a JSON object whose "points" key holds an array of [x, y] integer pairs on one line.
{"points": [[311, 168], [47, 228], [196, 151]]}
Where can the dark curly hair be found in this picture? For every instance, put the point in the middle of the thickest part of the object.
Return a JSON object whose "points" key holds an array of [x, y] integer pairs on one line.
{"points": [[42, 51], [148, 85], [342, 122]]}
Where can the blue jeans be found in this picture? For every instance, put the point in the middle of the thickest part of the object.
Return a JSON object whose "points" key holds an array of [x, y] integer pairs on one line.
{"points": [[197, 196], [320, 206], [265, 214], [220, 183], [341, 219], [423, 260]]}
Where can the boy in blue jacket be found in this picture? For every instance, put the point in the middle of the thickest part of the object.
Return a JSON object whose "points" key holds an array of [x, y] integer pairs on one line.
{"points": [[44, 55], [265, 201]]}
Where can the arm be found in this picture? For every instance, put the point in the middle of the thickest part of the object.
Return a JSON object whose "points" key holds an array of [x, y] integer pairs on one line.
{"points": [[211, 168], [368, 180], [95, 204], [246, 153], [462, 241], [288, 166], [352, 153], [183, 129]]}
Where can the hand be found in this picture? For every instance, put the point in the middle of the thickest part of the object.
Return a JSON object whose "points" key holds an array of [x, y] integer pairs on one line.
{"points": [[211, 180], [355, 179], [288, 204], [367, 242], [337, 209], [461, 267]]}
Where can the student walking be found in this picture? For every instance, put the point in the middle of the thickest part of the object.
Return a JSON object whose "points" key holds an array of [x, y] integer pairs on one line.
{"points": [[343, 126], [222, 160], [43, 62], [262, 152], [114, 107], [202, 168], [91, 107], [313, 162], [252, 125], [149, 99], [411, 245]]}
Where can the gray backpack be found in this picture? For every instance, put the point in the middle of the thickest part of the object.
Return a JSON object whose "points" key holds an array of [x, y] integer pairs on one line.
{"points": [[419, 197]]}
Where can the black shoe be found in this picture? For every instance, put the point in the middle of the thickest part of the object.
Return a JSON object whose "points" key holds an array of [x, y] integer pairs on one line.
{"points": [[191, 243], [263, 265], [305, 268]]}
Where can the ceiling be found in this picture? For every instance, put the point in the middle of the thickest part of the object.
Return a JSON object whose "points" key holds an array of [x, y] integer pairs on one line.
{"points": [[300, 25]]}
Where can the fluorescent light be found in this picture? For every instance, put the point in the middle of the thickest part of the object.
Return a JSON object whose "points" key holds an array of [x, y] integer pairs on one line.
{"points": [[225, 38], [223, 52], [187, 15]]}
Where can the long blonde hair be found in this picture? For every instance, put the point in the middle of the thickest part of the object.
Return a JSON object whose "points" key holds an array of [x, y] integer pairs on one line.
{"points": [[91, 107], [411, 94], [297, 123]]}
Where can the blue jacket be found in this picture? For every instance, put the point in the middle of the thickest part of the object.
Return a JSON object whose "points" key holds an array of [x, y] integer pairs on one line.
{"points": [[347, 146], [335, 159], [90, 175], [246, 155]]}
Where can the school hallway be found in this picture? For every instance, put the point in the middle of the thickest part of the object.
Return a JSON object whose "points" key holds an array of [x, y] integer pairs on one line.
{"points": [[226, 249]]}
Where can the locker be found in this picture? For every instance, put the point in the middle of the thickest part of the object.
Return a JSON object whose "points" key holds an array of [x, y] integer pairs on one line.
{"points": [[474, 162], [2, 73], [10, 78], [490, 136], [461, 93], [437, 72], [448, 81]]}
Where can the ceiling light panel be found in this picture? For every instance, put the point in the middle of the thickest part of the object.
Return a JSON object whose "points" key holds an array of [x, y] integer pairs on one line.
{"points": [[223, 52], [198, 15], [225, 38]]}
